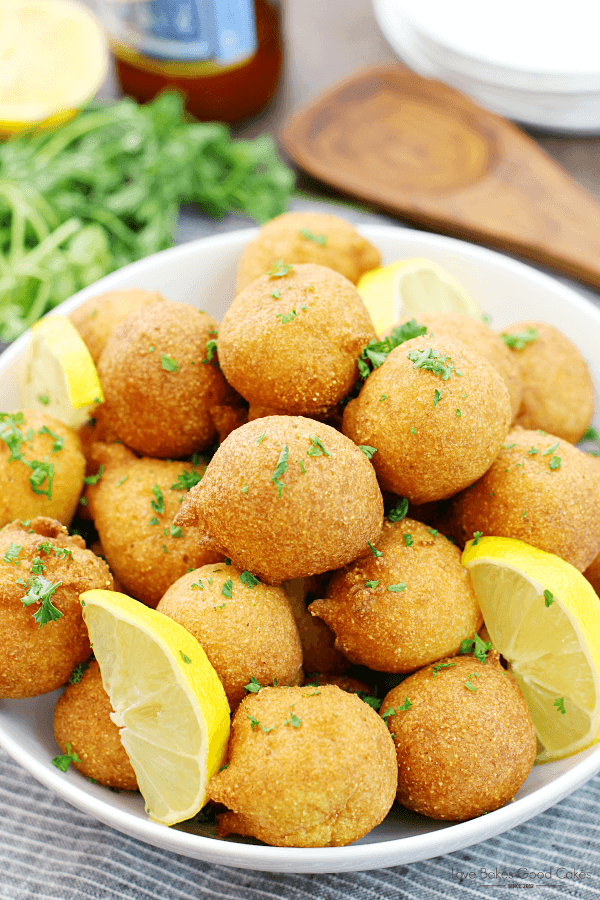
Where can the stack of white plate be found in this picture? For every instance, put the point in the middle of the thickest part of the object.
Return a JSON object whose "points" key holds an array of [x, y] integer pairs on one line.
{"points": [[528, 60]]}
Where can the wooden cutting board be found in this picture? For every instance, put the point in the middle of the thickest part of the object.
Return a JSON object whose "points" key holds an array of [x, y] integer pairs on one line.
{"points": [[421, 150]]}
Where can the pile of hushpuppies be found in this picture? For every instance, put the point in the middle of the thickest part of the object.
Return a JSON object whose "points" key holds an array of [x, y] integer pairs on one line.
{"points": [[237, 477]]}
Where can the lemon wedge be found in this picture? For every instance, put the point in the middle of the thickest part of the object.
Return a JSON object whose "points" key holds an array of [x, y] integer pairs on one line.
{"points": [[168, 702], [544, 618], [53, 59], [409, 287], [59, 376]]}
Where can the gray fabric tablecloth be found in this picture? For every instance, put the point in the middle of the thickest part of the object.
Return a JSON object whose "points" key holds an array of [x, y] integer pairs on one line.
{"points": [[50, 851]]}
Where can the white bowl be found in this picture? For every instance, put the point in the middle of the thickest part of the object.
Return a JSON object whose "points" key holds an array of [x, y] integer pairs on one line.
{"points": [[202, 273]]}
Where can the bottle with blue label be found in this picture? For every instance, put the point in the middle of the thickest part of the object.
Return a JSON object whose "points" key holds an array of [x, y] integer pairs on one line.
{"points": [[223, 55]]}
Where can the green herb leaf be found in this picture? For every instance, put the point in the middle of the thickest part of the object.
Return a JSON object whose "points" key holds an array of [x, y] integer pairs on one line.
{"points": [[249, 579], [520, 339], [371, 584], [405, 706], [373, 702], [185, 658], [559, 703], [477, 535], [469, 684], [158, 504], [176, 531], [477, 647], [286, 317], [317, 448], [42, 472], [253, 687], [368, 451], [94, 479], [315, 238], [548, 598], [77, 673], [261, 437], [227, 589], [439, 666], [555, 462], [551, 449], [279, 269], [408, 540], [374, 550], [432, 360], [41, 591], [168, 363], [64, 761], [399, 511], [397, 588], [280, 470], [58, 441], [187, 480], [12, 554]]}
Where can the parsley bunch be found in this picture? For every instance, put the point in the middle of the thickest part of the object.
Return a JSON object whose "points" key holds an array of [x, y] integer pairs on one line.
{"points": [[105, 190]]}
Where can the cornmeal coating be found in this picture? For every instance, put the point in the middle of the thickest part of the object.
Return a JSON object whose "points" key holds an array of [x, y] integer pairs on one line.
{"points": [[41, 467], [480, 338], [319, 652], [37, 658], [82, 720], [308, 767], [540, 490], [292, 341], [437, 414], [558, 392], [97, 318], [408, 606], [158, 390], [466, 742], [133, 505], [246, 628], [286, 497], [306, 237]]}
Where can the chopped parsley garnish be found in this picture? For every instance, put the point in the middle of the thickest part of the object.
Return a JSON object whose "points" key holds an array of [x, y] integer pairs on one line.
{"points": [[559, 703], [77, 673], [371, 584], [60, 552], [12, 554], [555, 462], [302, 466], [294, 721], [280, 470], [211, 353], [187, 480], [548, 598], [197, 585], [399, 511], [413, 430], [286, 317], [376, 352], [437, 396], [374, 550], [41, 591], [253, 687], [185, 658], [245, 489], [520, 339], [94, 479], [227, 589], [261, 437], [397, 588], [176, 531], [256, 724], [41, 472], [249, 579], [477, 647], [469, 684], [373, 702], [406, 705], [389, 712], [408, 540], [368, 451], [439, 666], [275, 294], [432, 360], [122, 480], [458, 413], [44, 398], [153, 521], [279, 269], [37, 566], [315, 238], [551, 449], [383, 397], [533, 451], [433, 532], [477, 535], [58, 441], [83, 501], [64, 761], [158, 505], [168, 363], [317, 448], [11, 434]]}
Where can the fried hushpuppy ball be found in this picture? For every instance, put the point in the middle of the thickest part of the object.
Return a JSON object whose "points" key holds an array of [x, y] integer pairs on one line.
{"points": [[307, 767], [133, 504], [246, 628], [558, 392], [319, 652], [408, 606], [42, 632], [305, 237], [97, 318], [437, 414], [41, 467], [82, 720], [464, 738], [481, 339], [291, 340], [344, 682], [540, 490], [286, 497], [157, 389]]}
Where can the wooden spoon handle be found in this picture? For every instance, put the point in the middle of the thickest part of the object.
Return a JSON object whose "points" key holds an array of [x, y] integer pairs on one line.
{"points": [[419, 149]]}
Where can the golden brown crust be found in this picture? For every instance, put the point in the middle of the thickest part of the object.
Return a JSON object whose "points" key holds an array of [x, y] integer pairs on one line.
{"points": [[297, 523], [462, 751], [159, 400], [82, 720], [338, 246], [291, 343], [97, 318], [520, 496], [251, 633], [308, 767], [400, 630], [558, 392], [34, 659], [20, 498], [481, 339], [424, 451], [144, 549]]}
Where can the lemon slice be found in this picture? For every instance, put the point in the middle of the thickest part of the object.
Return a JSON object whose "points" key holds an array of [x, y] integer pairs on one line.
{"points": [[168, 702], [53, 59], [409, 287], [59, 376], [544, 618]]}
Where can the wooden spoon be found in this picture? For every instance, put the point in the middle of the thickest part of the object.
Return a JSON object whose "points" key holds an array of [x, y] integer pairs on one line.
{"points": [[419, 149]]}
